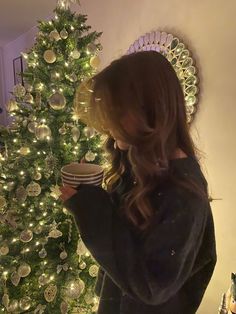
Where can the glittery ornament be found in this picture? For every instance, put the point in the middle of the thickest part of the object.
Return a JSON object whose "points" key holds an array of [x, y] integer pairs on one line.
{"points": [[90, 156], [50, 293], [12, 105], [75, 54], [21, 194], [92, 48], [42, 132], [75, 134], [49, 56], [55, 191], [95, 62], [75, 289], [62, 130], [82, 265], [33, 189], [64, 33], [57, 101], [64, 307], [15, 278], [24, 270], [19, 90], [37, 176], [89, 132], [32, 126], [26, 235], [3, 202], [24, 151], [29, 98], [43, 280], [54, 35], [93, 271], [4, 250], [63, 255], [25, 303], [42, 253], [5, 300], [38, 229], [55, 234], [13, 306]]}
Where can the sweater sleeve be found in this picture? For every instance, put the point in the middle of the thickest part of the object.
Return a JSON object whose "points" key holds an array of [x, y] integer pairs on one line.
{"points": [[156, 268]]}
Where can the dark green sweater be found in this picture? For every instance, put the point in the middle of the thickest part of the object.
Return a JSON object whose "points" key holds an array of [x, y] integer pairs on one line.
{"points": [[165, 272]]}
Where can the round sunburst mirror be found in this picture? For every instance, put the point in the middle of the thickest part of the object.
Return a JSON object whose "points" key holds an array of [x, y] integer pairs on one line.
{"points": [[180, 58]]}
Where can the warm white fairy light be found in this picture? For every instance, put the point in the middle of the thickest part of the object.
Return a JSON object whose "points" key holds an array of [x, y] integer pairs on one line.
{"points": [[53, 90], [27, 249], [31, 210], [23, 204], [44, 214], [21, 172], [45, 262], [38, 153], [57, 74], [72, 27], [41, 203], [14, 240], [37, 243], [66, 64], [50, 22], [31, 224], [61, 90], [51, 277], [39, 169], [15, 140]]}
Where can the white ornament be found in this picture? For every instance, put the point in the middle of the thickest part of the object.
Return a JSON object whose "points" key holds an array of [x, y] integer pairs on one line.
{"points": [[75, 54], [64, 34], [19, 90], [93, 271], [33, 189], [50, 293], [24, 270], [75, 134], [13, 306], [43, 280], [90, 156], [4, 250], [49, 56], [26, 236]]}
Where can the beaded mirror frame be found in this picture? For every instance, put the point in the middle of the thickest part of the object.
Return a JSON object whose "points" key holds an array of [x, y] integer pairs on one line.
{"points": [[180, 58]]}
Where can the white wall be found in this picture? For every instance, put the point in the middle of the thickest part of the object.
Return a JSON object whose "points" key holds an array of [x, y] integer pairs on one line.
{"points": [[208, 28]]}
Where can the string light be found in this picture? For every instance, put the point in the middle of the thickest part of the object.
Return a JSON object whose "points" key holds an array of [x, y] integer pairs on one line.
{"points": [[66, 64], [22, 173]]}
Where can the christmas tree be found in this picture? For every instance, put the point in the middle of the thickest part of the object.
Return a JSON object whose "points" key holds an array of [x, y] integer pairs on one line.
{"points": [[44, 265]]}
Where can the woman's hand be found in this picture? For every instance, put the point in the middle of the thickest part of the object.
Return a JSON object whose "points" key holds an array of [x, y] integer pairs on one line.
{"points": [[66, 192]]}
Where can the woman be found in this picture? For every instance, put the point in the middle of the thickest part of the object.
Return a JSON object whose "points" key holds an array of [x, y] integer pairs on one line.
{"points": [[152, 230]]}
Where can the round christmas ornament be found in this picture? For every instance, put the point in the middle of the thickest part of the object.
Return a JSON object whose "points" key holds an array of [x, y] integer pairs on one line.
{"points": [[37, 176], [75, 54], [90, 156], [33, 189], [64, 33], [42, 253], [75, 289], [19, 91], [63, 255], [43, 280], [89, 132], [93, 271], [3, 202], [32, 126], [57, 101], [26, 236], [54, 35], [24, 151], [25, 303], [21, 194], [4, 250], [75, 134], [95, 62], [38, 229], [49, 56], [82, 265], [29, 98], [42, 132], [24, 270], [13, 306], [12, 105], [50, 293], [92, 48]]}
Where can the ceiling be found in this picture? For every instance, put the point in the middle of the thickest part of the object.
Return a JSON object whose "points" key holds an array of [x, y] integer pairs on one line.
{"points": [[18, 16]]}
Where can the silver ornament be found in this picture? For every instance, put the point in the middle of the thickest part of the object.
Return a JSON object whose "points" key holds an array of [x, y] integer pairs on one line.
{"points": [[89, 132], [63, 255], [93, 271], [32, 126], [33, 189], [64, 33], [75, 289], [90, 156], [50, 293], [57, 101], [42, 132], [82, 265], [75, 134], [24, 270], [42, 253], [26, 236], [25, 303]]}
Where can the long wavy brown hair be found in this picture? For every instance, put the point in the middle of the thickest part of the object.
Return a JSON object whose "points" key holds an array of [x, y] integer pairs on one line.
{"points": [[139, 100]]}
